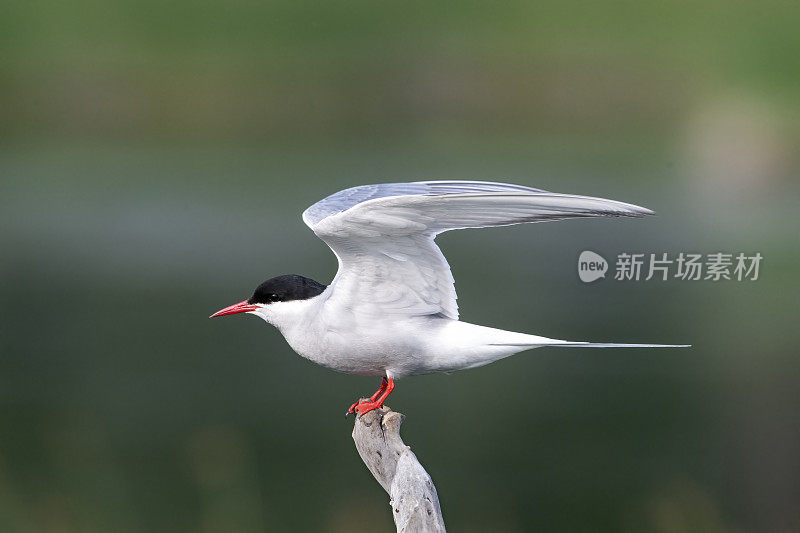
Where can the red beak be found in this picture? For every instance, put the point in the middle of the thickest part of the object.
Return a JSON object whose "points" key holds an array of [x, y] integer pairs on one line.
{"points": [[241, 307]]}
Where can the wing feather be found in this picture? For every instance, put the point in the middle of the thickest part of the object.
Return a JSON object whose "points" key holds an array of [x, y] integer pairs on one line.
{"points": [[383, 236]]}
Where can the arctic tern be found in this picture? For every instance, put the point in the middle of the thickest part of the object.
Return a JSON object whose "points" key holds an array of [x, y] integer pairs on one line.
{"points": [[391, 310]]}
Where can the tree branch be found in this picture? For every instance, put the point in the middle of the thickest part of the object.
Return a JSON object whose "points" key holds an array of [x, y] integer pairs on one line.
{"points": [[415, 505]]}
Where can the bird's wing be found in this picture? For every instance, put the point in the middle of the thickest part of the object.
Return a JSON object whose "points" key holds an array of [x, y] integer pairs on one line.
{"points": [[383, 236]]}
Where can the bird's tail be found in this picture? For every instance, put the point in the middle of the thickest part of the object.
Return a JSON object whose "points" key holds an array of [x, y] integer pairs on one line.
{"points": [[470, 345], [524, 341], [570, 344], [618, 345]]}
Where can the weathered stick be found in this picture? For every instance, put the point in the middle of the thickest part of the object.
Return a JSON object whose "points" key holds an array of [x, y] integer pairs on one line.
{"points": [[415, 505]]}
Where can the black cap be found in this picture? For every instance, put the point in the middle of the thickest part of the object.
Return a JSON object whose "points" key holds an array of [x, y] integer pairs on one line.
{"points": [[286, 288]]}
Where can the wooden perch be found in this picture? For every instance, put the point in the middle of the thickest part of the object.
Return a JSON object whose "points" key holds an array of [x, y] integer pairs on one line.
{"points": [[415, 505]]}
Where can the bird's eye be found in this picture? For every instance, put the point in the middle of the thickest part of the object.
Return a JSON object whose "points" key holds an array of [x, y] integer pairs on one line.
{"points": [[274, 298]]}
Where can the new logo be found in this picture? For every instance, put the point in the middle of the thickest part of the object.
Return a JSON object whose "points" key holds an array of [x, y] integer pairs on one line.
{"points": [[591, 266]]}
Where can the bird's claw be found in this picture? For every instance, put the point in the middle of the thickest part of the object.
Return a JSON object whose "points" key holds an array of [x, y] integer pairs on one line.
{"points": [[352, 409], [362, 407], [365, 407]]}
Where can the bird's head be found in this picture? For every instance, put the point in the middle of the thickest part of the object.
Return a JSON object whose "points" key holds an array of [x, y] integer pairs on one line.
{"points": [[278, 299]]}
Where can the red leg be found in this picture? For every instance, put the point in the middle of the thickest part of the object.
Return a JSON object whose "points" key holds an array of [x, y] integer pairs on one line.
{"points": [[384, 383], [365, 407], [376, 400], [371, 398]]}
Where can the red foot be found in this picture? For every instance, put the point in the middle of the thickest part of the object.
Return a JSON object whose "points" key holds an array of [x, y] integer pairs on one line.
{"points": [[364, 406], [353, 407]]}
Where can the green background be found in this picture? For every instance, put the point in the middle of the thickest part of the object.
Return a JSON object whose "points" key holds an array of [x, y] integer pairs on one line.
{"points": [[154, 161]]}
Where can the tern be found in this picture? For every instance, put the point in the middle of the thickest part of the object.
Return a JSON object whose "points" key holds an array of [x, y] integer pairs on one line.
{"points": [[390, 311]]}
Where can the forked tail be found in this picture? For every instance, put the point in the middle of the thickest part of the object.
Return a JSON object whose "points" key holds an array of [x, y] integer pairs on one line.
{"points": [[619, 345], [569, 344]]}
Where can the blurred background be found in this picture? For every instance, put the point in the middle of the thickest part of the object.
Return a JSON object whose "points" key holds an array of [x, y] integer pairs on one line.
{"points": [[154, 161]]}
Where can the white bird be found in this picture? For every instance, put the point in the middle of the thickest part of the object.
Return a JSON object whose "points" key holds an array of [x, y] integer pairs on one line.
{"points": [[391, 310]]}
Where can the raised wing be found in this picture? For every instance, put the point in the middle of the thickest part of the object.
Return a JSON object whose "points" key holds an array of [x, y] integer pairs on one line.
{"points": [[383, 236]]}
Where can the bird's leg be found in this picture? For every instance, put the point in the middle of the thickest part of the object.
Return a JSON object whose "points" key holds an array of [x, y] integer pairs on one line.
{"points": [[384, 383], [372, 398], [363, 407]]}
